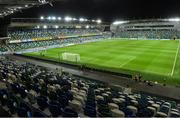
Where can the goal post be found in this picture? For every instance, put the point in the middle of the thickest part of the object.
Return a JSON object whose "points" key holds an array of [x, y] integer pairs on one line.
{"points": [[72, 57]]}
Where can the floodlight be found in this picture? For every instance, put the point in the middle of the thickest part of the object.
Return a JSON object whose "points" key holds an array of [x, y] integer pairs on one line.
{"points": [[49, 18], [38, 26], [98, 21], [45, 26], [174, 19], [81, 19], [53, 18], [41, 17], [59, 18], [67, 19], [119, 22]]}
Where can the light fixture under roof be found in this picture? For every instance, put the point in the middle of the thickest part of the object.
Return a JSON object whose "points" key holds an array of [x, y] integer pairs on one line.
{"points": [[119, 22], [174, 19], [98, 21], [67, 19], [42, 18]]}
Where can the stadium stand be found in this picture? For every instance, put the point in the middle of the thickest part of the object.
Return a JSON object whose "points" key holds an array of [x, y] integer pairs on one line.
{"points": [[36, 44], [34, 38], [3, 49], [146, 29], [34, 34], [161, 34], [28, 90]]}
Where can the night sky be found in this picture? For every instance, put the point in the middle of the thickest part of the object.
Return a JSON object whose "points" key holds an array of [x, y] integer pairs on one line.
{"points": [[107, 10]]}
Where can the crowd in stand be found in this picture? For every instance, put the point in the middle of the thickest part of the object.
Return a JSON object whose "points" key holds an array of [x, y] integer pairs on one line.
{"points": [[158, 34], [34, 38], [36, 44], [29, 90], [26, 34]]}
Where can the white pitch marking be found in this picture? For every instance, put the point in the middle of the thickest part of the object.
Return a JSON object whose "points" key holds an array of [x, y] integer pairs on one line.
{"points": [[175, 60], [130, 59]]}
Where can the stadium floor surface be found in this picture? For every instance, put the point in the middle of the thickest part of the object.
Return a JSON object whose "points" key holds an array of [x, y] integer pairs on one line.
{"points": [[154, 59]]}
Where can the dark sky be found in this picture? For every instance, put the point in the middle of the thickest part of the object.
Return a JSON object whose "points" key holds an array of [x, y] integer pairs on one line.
{"points": [[108, 10]]}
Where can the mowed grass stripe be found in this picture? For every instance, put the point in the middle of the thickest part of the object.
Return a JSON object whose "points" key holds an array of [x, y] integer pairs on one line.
{"points": [[129, 56]]}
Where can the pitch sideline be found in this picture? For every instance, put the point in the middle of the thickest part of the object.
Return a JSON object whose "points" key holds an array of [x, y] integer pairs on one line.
{"points": [[175, 59]]}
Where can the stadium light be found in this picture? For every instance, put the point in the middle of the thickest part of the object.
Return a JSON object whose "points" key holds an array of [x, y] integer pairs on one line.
{"points": [[118, 22], [59, 18], [45, 26], [53, 18], [81, 19], [49, 18], [174, 19], [67, 19], [98, 21], [42, 18], [38, 26]]}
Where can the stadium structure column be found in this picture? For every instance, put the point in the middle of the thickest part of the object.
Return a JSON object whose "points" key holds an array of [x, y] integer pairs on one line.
{"points": [[4, 22]]}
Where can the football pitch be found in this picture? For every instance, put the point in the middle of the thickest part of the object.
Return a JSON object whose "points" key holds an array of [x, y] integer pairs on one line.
{"points": [[156, 60]]}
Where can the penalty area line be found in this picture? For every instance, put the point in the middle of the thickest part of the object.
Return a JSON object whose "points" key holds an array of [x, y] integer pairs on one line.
{"points": [[175, 59]]}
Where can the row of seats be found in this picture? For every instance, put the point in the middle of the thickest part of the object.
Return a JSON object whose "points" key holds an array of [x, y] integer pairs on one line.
{"points": [[28, 90], [43, 33], [29, 45], [159, 34]]}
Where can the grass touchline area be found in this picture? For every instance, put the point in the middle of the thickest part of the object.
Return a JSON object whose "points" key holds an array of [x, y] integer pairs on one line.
{"points": [[175, 59], [154, 59]]}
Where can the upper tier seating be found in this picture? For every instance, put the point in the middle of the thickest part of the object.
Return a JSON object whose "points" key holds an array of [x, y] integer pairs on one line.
{"points": [[43, 33]]}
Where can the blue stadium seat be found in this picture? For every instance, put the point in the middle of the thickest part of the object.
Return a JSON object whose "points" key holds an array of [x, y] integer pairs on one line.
{"points": [[55, 108], [42, 102], [3, 96], [68, 112]]}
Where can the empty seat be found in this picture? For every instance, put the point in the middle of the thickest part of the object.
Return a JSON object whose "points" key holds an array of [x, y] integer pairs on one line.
{"points": [[68, 112], [90, 111], [55, 108], [113, 106], [24, 110], [117, 113], [161, 114], [42, 102], [75, 105], [3, 96], [174, 114], [133, 109]]}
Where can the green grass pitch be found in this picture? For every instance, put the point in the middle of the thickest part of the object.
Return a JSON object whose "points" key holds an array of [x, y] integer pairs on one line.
{"points": [[156, 60]]}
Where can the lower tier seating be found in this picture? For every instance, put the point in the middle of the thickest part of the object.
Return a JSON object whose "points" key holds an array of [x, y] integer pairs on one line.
{"points": [[28, 90]]}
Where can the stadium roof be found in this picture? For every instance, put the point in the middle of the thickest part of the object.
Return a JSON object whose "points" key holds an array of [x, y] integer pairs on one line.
{"points": [[8, 7]]}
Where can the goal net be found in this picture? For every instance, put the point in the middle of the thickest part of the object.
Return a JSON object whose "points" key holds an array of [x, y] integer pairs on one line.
{"points": [[73, 57]]}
